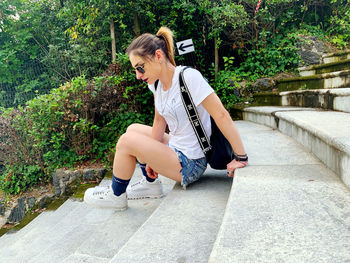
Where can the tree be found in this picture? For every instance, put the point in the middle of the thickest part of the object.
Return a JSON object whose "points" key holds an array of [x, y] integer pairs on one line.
{"points": [[223, 17]]}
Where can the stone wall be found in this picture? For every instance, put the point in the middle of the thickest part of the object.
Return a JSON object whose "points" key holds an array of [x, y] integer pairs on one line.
{"points": [[65, 182], [311, 50]]}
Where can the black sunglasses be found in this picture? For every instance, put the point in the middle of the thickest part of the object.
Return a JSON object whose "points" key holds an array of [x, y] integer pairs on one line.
{"points": [[140, 69]]}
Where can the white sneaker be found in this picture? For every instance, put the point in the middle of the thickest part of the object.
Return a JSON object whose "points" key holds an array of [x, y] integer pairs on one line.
{"points": [[144, 189], [103, 197]]}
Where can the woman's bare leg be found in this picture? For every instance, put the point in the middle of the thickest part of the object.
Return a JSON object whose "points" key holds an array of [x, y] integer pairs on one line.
{"points": [[138, 143], [146, 130]]}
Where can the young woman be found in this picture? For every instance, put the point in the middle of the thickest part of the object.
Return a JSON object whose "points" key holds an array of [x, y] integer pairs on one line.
{"points": [[176, 155]]}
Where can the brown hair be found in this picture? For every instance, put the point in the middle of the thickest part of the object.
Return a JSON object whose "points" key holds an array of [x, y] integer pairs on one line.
{"points": [[147, 44]]}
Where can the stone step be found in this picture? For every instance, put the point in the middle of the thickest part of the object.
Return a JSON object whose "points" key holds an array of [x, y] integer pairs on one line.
{"points": [[325, 133], [43, 222], [325, 68], [83, 234], [339, 79], [51, 237], [285, 206], [337, 56], [267, 99], [112, 235], [295, 213], [185, 225], [330, 99]]}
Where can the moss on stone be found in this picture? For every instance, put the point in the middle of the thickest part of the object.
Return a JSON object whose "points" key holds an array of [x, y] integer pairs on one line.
{"points": [[333, 67], [311, 99], [79, 193], [108, 174], [267, 99], [56, 203], [29, 217], [310, 83], [3, 231], [313, 77], [339, 53]]}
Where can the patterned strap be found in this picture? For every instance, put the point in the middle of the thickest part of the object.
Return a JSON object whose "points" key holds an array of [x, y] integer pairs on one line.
{"points": [[192, 114]]}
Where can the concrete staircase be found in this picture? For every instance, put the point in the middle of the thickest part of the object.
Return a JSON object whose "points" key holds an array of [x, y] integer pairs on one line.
{"points": [[290, 204], [324, 79], [286, 206], [305, 214], [333, 72]]}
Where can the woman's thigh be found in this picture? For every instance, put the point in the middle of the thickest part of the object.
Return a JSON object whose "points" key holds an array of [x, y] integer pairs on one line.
{"points": [[157, 155], [145, 130]]}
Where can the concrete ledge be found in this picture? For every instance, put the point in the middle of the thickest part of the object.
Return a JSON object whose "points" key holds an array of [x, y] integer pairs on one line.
{"points": [[286, 206], [326, 134], [325, 68], [339, 79], [185, 225], [76, 232], [285, 213], [337, 56], [331, 99], [266, 115]]}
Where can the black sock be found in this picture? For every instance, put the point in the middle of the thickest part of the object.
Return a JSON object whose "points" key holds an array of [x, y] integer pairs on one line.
{"points": [[119, 185], [143, 169]]}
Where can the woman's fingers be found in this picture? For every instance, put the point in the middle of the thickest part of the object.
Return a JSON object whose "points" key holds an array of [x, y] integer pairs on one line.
{"points": [[151, 174], [233, 165]]}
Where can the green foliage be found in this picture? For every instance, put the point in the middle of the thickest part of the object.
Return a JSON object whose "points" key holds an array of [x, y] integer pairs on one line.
{"points": [[223, 15], [18, 178], [81, 120], [225, 85], [46, 43], [339, 29], [274, 54]]}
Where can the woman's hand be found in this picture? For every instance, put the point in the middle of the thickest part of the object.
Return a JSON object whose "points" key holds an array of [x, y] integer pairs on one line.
{"points": [[151, 174], [233, 165]]}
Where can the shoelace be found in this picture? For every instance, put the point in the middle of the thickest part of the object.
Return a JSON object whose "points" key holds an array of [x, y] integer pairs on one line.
{"points": [[101, 190], [139, 182]]}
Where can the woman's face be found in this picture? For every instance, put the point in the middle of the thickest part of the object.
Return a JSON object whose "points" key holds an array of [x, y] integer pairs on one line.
{"points": [[147, 69]]}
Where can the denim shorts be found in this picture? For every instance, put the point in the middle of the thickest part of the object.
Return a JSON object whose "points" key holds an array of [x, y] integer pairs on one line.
{"points": [[192, 169]]}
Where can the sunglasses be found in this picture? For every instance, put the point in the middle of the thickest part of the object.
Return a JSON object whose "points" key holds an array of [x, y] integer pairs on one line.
{"points": [[141, 69]]}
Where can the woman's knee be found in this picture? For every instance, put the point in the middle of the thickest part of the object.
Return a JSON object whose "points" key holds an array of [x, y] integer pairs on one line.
{"points": [[137, 127], [127, 140], [123, 140]]}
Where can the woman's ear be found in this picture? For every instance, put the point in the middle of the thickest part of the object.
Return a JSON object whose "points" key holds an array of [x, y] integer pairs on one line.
{"points": [[159, 54]]}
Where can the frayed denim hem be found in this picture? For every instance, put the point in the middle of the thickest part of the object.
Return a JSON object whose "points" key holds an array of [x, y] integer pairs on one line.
{"points": [[191, 169]]}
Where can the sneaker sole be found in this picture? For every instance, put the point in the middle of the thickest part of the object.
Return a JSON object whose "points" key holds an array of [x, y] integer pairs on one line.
{"points": [[145, 197], [108, 207], [92, 203]]}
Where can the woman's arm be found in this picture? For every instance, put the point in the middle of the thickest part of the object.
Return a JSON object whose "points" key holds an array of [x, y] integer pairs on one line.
{"points": [[158, 131], [224, 122], [158, 127]]}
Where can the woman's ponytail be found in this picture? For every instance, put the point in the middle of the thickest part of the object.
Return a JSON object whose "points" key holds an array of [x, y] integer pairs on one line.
{"points": [[167, 36], [147, 44]]}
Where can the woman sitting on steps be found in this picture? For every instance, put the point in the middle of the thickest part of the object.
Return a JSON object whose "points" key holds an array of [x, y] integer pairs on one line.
{"points": [[176, 155]]}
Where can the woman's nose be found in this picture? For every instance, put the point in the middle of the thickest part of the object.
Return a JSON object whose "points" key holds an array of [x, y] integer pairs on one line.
{"points": [[138, 75]]}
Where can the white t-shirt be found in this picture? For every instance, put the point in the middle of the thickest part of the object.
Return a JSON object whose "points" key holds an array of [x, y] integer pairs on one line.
{"points": [[169, 105]]}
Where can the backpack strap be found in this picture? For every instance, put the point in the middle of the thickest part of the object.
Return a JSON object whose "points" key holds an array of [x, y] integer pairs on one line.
{"points": [[192, 114], [156, 84]]}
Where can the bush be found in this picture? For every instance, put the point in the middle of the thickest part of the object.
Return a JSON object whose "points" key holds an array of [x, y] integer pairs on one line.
{"points": [[225, 85], [81, 120], [273, 54]]}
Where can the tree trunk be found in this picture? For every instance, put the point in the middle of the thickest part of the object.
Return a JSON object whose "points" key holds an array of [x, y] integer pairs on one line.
{"points": [[216, 57], [113, 40], [137, 29]]}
